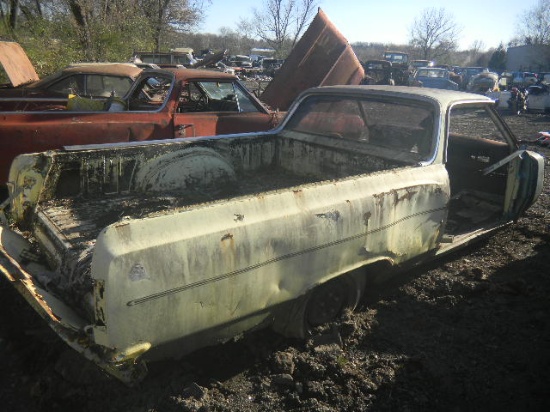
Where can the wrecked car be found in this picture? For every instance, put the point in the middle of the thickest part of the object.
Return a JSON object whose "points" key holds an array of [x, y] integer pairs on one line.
{"points": [[401, 68], [377, 72], [434, 77], [134, 252], [24, 89], [483, 82], [538, 98], [185, 102], [161, 104], [93, 81]]}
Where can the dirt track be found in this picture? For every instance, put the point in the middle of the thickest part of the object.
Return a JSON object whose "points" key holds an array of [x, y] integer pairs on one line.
{"points": [[470, 333]]}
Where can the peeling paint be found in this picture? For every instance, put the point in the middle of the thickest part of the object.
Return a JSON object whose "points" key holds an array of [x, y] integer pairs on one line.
{"points": [[227, 236], [333, 215]]}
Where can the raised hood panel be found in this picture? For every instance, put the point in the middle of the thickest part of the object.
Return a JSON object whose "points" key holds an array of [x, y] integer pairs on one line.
{"points": [[322, 57], [16, 64]]}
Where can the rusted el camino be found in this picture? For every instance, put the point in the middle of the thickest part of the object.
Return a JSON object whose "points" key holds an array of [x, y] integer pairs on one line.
{"points": [[137, 251]]}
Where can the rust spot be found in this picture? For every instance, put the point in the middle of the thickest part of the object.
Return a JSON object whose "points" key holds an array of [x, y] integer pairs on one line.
{"points": [[366, 217], [407, 196], [28, 182], [227, 236], [333, 215]]}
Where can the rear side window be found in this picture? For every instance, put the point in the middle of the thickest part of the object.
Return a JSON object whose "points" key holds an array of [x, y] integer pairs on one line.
{"points": [[395, 126], [100, 85], [75, 84]]}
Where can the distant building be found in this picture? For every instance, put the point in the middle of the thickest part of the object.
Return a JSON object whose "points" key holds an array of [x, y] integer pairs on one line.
{"points": [[529, 58]]}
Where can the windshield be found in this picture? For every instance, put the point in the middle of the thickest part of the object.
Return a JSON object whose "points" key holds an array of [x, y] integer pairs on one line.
{"points": [[430, 73], [396, 57]]}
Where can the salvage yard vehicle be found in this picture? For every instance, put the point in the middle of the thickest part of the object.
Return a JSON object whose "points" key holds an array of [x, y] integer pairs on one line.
{"points": [[182, 56], [378, 72], [468, 73], [483, 82], [162, 104], [26, 90], [538, 98], [91, 81], [137, 251], [401, 68], [434, 77]]}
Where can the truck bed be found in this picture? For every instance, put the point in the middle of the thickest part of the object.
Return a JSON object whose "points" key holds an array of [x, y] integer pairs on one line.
{"points": [[79, 220], [118, 183]]}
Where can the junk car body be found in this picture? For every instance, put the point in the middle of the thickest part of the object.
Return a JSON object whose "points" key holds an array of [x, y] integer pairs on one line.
{"points": [[138, 251], [434, 77], [161, 104], [94, 81], [538, 98]]}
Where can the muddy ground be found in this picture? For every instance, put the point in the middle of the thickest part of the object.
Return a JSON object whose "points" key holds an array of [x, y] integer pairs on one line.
{"points": [[470, 333]]}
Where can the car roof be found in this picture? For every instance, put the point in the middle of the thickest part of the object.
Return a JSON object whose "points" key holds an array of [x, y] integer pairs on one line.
{"points": [[186, 74], [109, 69], [115, 69], [443, 97]]}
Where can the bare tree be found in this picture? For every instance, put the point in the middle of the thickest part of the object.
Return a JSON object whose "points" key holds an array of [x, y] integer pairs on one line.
{"points": [[534, 24], [280, 23], [101, 24], [9, 10], [172, 16], [434, 34]]}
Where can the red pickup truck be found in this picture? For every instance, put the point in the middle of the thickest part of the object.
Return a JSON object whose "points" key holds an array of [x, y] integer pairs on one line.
{"points": [[162, 104]]}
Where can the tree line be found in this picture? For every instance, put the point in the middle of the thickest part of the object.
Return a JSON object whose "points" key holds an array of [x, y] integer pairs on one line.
{"points": [[57, 32]]}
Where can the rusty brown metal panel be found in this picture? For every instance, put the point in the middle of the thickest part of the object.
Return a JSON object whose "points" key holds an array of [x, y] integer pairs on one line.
{"points": [[322, 57], [17, 65]]}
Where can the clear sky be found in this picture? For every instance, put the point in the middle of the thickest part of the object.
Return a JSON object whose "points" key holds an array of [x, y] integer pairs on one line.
{"points": [[388, 21]]}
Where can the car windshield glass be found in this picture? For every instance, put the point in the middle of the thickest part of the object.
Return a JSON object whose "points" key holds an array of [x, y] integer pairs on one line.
{"points": [[430, 73], [397, 126], [101, 85], [396, 57], [75, 84]]}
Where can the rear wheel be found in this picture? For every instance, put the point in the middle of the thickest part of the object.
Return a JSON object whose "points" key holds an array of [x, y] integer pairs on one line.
{"points": [[326, 303], [321, 305]]}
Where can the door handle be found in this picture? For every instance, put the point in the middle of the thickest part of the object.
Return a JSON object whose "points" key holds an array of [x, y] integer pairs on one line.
{"points": [[181, 130]]}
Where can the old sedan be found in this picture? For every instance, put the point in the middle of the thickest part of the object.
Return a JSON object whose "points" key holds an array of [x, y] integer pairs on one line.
{"points": [[90, 80]]}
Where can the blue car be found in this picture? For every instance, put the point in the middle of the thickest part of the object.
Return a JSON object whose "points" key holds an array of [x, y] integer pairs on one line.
{"points": [[435, 78]]}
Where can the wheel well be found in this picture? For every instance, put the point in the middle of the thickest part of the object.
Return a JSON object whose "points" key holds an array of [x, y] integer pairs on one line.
{"points": [[290, 318]]}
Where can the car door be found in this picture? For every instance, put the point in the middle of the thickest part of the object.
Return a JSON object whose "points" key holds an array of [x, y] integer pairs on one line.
{"points": [[210, 107], [492, 179]]}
